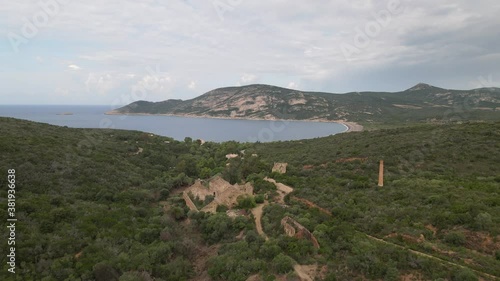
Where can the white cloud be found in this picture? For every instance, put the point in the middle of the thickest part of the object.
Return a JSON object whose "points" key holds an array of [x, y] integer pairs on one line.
{"points": [[101, 83], [293, 85], [192, 85], [247, 79], [155, 87], [271, 41], [74, 67]]}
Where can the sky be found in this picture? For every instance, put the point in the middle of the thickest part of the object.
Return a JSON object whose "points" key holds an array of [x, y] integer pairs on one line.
{"points": [[113, 52]]}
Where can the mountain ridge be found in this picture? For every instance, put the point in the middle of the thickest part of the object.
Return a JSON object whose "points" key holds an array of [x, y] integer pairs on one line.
{"points": [[420, 103]]}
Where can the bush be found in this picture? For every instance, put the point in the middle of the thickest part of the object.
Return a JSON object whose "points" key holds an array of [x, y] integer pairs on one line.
{"points": [[330, 277], [221, 208], [283, 264], [392, 274], [135, 276], [262, 186], [483, 221], [455, 238], [246, 202], [269, 277], [464, 275], [259, 199], [178, 213], [104, 272]]}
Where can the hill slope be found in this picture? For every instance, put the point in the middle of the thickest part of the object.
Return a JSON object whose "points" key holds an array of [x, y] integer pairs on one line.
{"points": [[105, 205], [421, 103]]}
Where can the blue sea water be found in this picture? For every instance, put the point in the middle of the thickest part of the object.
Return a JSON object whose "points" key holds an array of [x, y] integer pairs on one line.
{"points": [[208, 129]]}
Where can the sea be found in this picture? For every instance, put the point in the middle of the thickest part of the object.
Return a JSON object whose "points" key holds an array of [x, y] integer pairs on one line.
{"points": [[208, 129]]}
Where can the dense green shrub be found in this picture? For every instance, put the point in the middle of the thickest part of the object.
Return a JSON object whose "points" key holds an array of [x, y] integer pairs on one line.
{"points": [[259, 199], [282, 263], [455, 238], [464, 275], [246, 202]]}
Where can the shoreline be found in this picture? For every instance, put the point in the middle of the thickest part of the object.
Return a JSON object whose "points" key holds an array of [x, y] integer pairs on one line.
{"points": [[350, 126]]}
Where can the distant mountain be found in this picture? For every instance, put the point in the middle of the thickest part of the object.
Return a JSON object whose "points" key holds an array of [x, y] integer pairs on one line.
{"points": [[420, 103]]}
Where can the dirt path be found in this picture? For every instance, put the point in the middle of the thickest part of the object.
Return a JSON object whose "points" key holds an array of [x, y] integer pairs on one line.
{"points": [[431, 257], [257, 213], [280, 186], [283, 190], [139, 151], [305, 272], [312, 205]]}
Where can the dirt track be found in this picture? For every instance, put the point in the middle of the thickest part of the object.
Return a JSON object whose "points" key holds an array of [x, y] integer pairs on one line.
{"points": [[283, 190], [257, 213], [305, 272]]}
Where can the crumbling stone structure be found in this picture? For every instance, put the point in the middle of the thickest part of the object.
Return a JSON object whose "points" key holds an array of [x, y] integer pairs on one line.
{"points": [[189, 202], [280, 168], [294, 229], [224, 193]]}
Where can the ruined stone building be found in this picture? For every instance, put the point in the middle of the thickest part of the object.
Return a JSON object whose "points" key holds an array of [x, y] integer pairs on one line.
{"points": [[280, 168], [224, 193]]}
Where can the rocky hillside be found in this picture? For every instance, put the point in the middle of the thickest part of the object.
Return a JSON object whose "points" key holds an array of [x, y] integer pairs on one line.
{"points": [[421, 103]]}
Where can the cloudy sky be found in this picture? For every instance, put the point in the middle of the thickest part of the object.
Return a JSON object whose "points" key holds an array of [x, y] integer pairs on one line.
{"points": [[115, 51]]}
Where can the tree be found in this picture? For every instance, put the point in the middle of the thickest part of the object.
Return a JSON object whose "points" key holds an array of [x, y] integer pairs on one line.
{"points": [[259, 198], [246, 202], [232, 173], [104, 272], [392, 274], [483, 221], [178, 213], [282, 264], [269, 250], [217, 227], [205, 173], [455, 238]]}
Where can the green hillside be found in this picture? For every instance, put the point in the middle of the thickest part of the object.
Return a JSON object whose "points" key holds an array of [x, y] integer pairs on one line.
{"points": [[105, 205]]}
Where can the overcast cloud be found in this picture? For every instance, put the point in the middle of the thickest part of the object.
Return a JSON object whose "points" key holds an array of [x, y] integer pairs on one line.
{"points": [[116, 51]]}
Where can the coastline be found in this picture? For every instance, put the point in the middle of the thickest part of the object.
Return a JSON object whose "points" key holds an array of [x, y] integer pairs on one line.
{"points": [[350, 126]]}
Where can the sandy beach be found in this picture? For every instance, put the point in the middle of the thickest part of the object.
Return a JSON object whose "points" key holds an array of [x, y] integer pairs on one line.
{"points": [[351, 126]]}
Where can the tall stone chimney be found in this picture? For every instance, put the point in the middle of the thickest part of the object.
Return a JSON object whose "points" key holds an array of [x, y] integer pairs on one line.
{"points": [[381, 173]]}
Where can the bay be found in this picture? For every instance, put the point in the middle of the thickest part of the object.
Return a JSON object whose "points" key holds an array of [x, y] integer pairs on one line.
{"points": [[208, 129]]}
